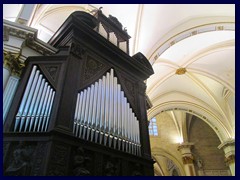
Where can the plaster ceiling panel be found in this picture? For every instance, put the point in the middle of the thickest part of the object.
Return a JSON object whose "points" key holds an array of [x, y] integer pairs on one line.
{"points": [[160, 73], [215, 88], [179, 52], [158, 20], [49, 20], [174, 99], [220, 64], [181, 83], [56, 6], [176, 96]]}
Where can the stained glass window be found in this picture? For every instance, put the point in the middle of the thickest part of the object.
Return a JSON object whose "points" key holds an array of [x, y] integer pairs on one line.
{"points": [[153, 131]]}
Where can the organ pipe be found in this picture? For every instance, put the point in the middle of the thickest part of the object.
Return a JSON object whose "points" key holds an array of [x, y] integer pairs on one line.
{"points": [[104, 115]]}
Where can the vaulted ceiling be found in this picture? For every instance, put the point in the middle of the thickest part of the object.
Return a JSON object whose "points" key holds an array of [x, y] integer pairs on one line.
{"points": [[191, 48]]}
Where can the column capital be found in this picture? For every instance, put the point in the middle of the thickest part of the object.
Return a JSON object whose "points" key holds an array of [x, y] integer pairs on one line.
{"points": [[8, 58], [188, 159], [13, 63], [228, 147], [230, 159], [185, 150], [186, 145], [229, 142]]}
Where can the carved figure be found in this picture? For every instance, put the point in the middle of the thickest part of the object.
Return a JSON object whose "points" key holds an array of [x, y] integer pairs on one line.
{"points": [[80, 163], [137, 171], [20, 165], [115, 21], [199, 164], [110, 169]]}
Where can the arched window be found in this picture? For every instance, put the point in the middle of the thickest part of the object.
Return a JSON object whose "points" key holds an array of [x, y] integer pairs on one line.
{"points": [[153, 131]]}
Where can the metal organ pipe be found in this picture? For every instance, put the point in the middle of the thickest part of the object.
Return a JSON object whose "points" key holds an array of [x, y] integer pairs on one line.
{"points": [[35, 107], [20, 111], [103, 115]]}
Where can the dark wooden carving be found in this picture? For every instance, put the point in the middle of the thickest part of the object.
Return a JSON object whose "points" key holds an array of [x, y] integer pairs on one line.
{"points": [[77, 50], [39, 159], [5, 149], [98, 161], [92, 67], [81, 163], [52, 70], [84, 57], [58, 161], [20, 164], [137, 170], [111, 166], [130, 86]]}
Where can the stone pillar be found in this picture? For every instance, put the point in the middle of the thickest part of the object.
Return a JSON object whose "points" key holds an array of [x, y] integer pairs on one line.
{"points": [[229, 150], [187, 158], [7, 67], [12, 68], [6, 74], [9, 94]]}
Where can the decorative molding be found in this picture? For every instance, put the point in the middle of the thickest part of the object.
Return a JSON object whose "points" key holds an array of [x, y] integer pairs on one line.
{"points": [[80, 161], [137, 170], [217, 26], [38, 46], [115, 21], [12, 61], [52, 70], [29, 35], [92, 67], [210, 172], [20, 163], [5, 149], [77, 50], [188, 159], [98, 161], [230, 142], [130, 87], [148, 102], [111, 167], [58, 161], [39, 158], [181, 71], [185, 146], [230, 159], [143, 60]]}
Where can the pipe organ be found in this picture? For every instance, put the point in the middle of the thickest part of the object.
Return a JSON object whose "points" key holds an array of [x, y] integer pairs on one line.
{"points": [[81, 111], [104, 116]]}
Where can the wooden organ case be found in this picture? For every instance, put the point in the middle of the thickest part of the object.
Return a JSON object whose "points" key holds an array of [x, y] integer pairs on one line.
{"points": [[82, 111]]}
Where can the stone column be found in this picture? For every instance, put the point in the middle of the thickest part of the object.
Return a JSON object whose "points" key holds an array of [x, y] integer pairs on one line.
{"points": [[187, 158], [9, 94], [6, 74], [229, 150], [7, 67], [10, 78]]}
